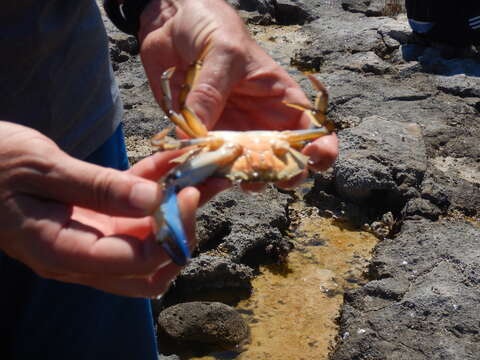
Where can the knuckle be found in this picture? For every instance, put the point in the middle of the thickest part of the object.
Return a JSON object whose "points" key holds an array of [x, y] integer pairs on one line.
{"points": [[233, 49], [102, 188], [207, 94], [206, 102], [27, 169], [237, 52], [26, 163]]}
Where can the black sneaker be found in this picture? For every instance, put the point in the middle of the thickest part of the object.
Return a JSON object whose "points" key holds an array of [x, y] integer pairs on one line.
{"points": [[448, 51], [418, 39]]}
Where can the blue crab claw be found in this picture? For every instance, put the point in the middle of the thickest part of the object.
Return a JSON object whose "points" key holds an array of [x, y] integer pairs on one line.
{"points": [[172, 235]]}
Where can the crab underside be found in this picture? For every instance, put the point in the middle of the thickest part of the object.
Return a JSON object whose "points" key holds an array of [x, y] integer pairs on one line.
{"points": [[250, 156]]}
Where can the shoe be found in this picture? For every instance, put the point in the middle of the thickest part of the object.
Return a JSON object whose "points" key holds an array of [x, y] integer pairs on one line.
{"points": [[418, 39], [448, 51]]}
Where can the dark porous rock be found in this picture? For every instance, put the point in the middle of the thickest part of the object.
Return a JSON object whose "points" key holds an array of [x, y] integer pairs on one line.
{"points": [[422, 244], [455, 188], [388, 289], [259, 12], [210, 277], [254, 17], [247, 228], [377, 294], [122, 46], [459, 85], [434, 192], [356, 6], [425, 299], [198, 327], [452, 139], [260, 6], [449, 125], [117, 56], [124, 42], [419, 207], [381, 162], [360, 96], [289, 12], [141, 123], [475, 103], [395, 33], [367, 7], [367, 62], [337, 34], [307, 61]]}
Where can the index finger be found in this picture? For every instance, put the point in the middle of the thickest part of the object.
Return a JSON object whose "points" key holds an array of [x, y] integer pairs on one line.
{"points": [[155, 166]]}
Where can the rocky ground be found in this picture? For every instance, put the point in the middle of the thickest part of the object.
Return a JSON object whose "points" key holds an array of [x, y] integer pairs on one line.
{"points": [[409, 124]]}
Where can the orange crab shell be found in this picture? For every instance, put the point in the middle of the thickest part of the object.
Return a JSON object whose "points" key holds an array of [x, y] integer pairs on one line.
{"points": [[261, 156]]}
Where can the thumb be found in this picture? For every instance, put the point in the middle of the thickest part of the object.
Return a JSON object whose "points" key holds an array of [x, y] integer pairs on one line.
{"points": [[71, 181], [220, 72]]}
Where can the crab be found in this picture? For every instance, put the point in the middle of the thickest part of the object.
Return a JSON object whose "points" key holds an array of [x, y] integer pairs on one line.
{"points": [[241, 156]]}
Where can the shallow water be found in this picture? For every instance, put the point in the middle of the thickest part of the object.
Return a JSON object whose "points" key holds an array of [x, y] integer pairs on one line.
{"points": [[292, 312]]}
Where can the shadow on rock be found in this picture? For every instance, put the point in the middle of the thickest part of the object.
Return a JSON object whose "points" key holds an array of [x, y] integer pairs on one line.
{"points": [[433, 61]]}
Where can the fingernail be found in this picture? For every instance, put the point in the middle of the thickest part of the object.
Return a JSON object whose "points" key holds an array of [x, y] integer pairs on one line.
{"points": [[144, 196]]}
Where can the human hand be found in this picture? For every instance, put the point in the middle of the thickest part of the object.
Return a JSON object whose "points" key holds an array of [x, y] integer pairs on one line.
{"points": [[240, 87], [81, 223]]}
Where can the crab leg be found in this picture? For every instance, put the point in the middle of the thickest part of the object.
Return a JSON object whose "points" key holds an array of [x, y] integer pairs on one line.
{"points": [[297, 137], [170, 232], [186, 120], [163, 142], [167, 105], [317, 115], [192, 75]]}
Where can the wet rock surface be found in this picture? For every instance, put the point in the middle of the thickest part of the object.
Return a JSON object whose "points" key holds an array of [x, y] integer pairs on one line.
{"points": [[409, 124]]}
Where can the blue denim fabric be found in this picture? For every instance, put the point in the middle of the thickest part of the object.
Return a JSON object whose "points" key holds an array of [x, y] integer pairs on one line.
{"points": [[47, 319]]}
